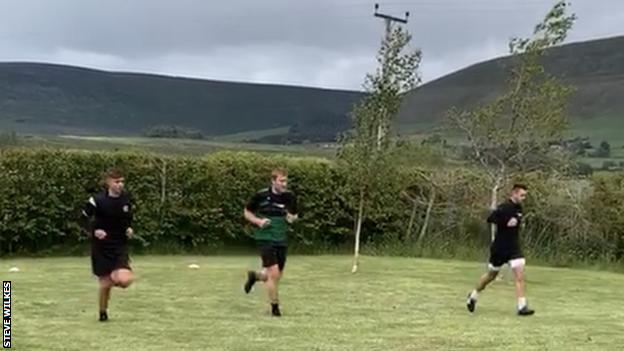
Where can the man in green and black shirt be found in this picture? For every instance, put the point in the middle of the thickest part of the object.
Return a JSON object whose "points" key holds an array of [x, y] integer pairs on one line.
{"points": [[271, 210]]}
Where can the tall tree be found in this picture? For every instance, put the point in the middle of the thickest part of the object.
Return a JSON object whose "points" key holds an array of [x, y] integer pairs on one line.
{"points": [[512, 134], [366, 151]]}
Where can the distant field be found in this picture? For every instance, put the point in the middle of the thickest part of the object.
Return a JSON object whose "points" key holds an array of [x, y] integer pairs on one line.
{"points": [[418, 128], [609, 129], [168, 146], [596, 163], [606, 128], [244, 136]]}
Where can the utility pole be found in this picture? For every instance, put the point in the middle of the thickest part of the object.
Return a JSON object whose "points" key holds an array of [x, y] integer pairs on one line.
{"points": [[389, 19], [382, 129]]}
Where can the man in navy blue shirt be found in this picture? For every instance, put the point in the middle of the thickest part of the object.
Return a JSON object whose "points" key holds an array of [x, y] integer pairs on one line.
{"points": [[108, 219]]}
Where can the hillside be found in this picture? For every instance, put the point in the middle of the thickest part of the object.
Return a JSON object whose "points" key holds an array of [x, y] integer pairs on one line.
{"points": [[56, 99], [43, 98], [595, 68]]}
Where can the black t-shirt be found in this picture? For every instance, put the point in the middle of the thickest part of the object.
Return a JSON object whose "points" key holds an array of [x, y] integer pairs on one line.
{"points": [[507, 238], [111, 214], [266, 203]]}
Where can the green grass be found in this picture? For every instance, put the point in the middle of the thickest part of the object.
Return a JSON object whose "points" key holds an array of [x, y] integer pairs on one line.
{"points": [[598, 129], [243, 136], [167, 146], [392, 304], [596, 163]]}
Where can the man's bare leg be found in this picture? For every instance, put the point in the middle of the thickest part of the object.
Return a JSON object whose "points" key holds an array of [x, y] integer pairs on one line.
{"points": [[253, 277], [122, 277], [517, 267], [484, 281], [273, 276], [105, 287]]}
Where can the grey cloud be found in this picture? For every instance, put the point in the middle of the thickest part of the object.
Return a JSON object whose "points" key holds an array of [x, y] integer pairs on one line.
{"points": [[327, 43]]}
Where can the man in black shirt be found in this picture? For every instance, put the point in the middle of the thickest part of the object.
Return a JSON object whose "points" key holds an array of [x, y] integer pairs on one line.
{"points": [[108, 219], [507, 218], [271, 210]]}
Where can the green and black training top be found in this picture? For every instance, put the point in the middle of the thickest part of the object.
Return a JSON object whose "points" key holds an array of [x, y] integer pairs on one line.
{"points": [[267, 204]]}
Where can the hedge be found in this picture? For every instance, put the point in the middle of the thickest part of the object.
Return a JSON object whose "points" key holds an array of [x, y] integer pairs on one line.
{"points": [[193, 201], [198, 202]]}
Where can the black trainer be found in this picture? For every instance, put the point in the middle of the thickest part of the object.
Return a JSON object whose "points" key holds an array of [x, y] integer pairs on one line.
{"points": [[103, 316], [471, 304], [251, 280], [525, 311], [275, 311]]}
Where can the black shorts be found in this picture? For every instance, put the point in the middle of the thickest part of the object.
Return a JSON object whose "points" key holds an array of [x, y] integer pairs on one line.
{"points": [[499, 257], [273, 254], [105, 261]]}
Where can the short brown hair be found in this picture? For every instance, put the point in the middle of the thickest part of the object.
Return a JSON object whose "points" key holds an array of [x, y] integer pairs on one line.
{"points": [[278, 172], [113, 173], [519, 186]]}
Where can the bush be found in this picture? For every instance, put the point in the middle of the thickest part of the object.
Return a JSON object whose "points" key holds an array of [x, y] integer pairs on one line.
{"points": [[191, 202], [582, 169]]}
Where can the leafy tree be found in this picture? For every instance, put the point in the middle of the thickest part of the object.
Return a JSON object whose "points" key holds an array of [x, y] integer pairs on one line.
{"points": [[512, 135], [366, 151]]}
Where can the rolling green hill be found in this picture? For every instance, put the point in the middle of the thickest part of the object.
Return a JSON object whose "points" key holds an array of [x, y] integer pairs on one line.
{"points": [[595, 68], [54, 99], [43, 98]]}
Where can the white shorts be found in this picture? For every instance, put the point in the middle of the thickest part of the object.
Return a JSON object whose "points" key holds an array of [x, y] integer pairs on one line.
{"points": [[514, 263]]}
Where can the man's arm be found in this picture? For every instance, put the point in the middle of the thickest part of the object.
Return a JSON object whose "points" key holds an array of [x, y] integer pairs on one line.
{"points": [[253, 219], [88, 211], [249, 214], [129, 216], [495, 215], [503, 215], [87, 219], [292, 211]]}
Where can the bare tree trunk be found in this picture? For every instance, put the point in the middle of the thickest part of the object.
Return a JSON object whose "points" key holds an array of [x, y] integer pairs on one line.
{"points": [[425, 226], [408, 234], [163, 182], [163, 193], [358, 231], [493, 204]]}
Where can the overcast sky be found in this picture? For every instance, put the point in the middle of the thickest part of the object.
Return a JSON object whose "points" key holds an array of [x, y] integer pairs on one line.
{"points": [[322, 43]]}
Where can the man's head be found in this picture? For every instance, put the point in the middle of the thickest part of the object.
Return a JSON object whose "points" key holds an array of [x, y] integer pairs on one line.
{"points": [[518, 193], [279, 180], [114, 181]]}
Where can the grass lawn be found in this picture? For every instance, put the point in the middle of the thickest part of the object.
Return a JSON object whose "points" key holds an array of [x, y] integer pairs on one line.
{"points": [[392, 304], [597, 129], [169, 146]]}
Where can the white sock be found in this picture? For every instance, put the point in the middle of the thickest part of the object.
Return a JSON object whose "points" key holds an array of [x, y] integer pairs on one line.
{"points": [[474, 295], [522, 303]]}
